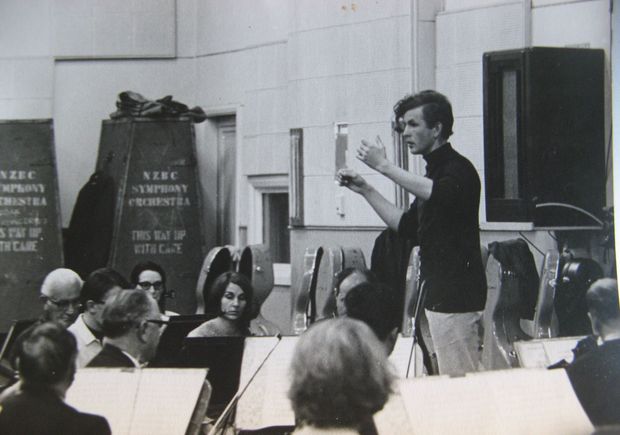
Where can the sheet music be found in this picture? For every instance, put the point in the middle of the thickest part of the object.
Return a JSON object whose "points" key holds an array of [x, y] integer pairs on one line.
{"points": [[138, 401], [516, 401], [111, 393], [166, 400], [255, 351], [393, 418], [544, 352], [265, 402], [531, 354]]}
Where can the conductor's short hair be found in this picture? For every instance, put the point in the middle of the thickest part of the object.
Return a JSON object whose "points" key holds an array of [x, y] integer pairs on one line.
{"points": [[436, 108]]}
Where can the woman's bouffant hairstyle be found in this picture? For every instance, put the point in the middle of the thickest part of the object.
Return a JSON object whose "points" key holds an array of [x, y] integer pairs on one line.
{"points": [[340, 375], [213, 306]]}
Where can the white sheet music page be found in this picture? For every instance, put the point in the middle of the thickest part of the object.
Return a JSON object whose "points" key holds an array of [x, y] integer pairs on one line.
{"points": [[400, 355], [110, 392], [143, 401], [255, 351], [393, 418], [542, 353], [166, 400], [517, 401], [265, 402], [400, 358]]}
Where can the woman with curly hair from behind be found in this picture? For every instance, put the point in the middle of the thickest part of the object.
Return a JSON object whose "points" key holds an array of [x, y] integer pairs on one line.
{"points": [[340, 378]]}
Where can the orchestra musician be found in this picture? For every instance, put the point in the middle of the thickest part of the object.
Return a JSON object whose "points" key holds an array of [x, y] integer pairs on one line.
{"points": [[340, 377], [595, 375], [150, 276], [46, 363], [100, 285], [132, 325], [229, 307]]}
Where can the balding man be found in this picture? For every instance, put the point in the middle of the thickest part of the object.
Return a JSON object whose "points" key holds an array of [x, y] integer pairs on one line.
{"points": [[132, 325], [60, 293], [595, 376]]}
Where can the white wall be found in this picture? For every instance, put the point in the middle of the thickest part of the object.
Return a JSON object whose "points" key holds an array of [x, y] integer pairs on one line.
{"points": [[348, 62], [26, 63], [276, 64]]}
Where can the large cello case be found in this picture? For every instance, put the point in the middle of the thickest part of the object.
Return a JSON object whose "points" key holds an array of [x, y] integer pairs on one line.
{"points": [[316, 298]]}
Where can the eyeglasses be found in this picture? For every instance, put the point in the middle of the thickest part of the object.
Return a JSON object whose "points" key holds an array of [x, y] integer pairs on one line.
{"points": [[64, 304], [165, 320], [145, 285]]}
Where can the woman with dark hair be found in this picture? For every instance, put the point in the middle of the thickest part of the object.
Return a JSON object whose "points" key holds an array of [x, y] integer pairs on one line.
{"points": [[340, 376], [150, 276], [229, 307]]}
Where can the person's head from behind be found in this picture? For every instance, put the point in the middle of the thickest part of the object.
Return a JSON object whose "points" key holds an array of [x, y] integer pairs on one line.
{"points": [[98, 287], [60, 293], [375, 305], [345, 281], [132, 321], [424, 119], [340, 375], [603, 307], [46, 357], [231, 298], [151, 277]]}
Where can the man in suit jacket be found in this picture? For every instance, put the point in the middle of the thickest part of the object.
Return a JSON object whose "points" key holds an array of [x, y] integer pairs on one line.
{"points": [[46, 362], [132, 325]]}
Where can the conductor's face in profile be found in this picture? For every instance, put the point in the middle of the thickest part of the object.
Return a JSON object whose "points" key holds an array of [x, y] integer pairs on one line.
{"points": [[417, 134]]}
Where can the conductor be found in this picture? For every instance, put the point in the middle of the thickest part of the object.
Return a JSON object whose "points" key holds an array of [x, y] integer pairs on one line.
{"points": [[442, 220]]}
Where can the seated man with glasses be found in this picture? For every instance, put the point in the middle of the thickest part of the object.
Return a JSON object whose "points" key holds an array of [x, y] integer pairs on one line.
{"points": [[60, 293], [132, 325], [88, 328], [151, 277]]}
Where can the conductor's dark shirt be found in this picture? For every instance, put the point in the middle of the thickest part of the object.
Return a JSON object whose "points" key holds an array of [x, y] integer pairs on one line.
{"points": [[446, 228]]}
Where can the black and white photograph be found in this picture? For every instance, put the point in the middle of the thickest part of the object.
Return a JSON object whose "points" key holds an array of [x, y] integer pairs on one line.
{"points": [[309, 217]]}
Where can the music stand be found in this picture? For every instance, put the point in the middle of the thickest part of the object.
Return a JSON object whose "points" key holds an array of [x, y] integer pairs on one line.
{"points": [[223, 357], [415, 323], [172, 338]]}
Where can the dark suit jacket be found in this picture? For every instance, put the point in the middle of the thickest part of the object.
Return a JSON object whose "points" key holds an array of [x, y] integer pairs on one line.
{"points": [[110, 356], [596, 380], [42, 412]]}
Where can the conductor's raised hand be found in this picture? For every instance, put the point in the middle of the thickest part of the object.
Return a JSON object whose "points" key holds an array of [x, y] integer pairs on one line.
{"points": [[349, 178], [372, 155]]}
